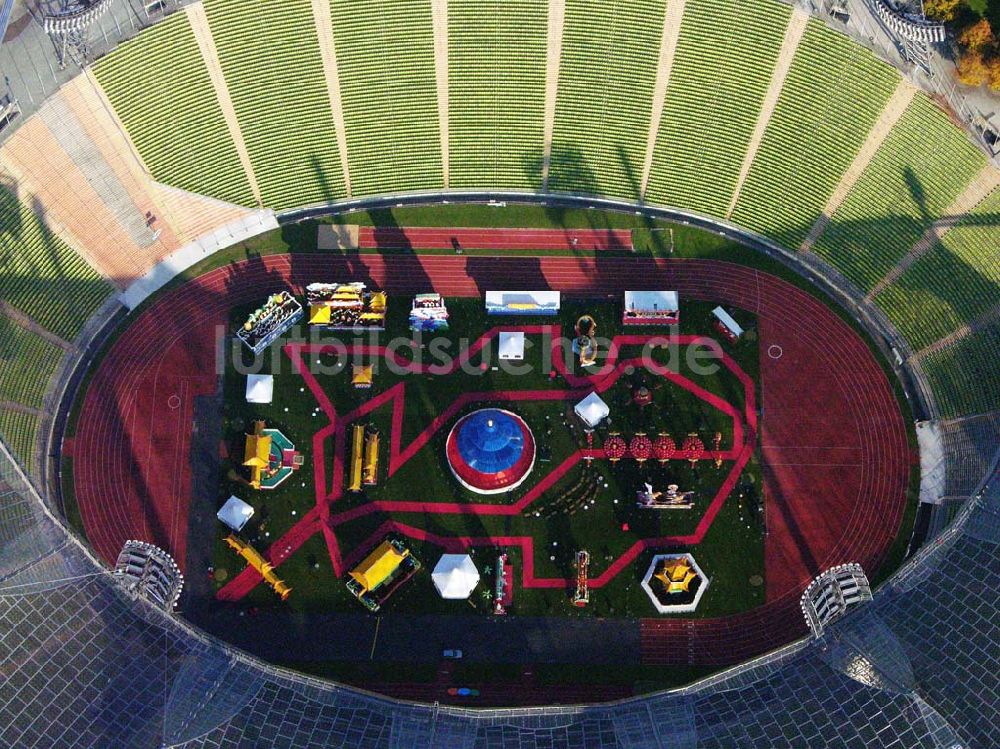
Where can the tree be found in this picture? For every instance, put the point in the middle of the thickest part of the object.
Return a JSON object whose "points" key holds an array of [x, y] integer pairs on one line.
{"points": [[972, 69], [993, 66], [977, 37], [941, 10]]}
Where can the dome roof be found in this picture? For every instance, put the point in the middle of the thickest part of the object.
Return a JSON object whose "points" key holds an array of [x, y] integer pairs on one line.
{"points": [[490, 450]]}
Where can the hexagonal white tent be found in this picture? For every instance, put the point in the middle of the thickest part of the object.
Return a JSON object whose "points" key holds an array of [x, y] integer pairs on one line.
{"points": [[455, 576]]}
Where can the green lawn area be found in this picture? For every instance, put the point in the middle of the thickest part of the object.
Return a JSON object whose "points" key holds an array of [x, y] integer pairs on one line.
{"points": [[587, 508]]}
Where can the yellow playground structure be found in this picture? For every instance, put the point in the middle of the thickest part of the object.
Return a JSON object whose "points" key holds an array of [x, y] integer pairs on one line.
{"points": [[364, 457], [255, 560], [257, 453], [676, 575], [357, 456], [370, 471]]}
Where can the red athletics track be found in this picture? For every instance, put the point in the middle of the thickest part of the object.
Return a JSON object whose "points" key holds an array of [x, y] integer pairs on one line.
{"points": [[832, 438], [426, 238]]}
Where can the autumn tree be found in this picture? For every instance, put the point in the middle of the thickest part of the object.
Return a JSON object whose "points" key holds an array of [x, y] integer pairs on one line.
{"points": [[978, 37], [972, 68], [941, 10], [993, 70]]}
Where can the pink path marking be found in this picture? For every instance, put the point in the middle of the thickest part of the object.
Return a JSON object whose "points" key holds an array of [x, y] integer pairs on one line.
{"points": [[604, 378]]}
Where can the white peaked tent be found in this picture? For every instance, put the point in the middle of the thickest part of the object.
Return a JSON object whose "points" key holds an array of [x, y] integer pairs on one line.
{"points": [[455, 576], [511, 345], [260, 388], [235, 513], [592, 410]]}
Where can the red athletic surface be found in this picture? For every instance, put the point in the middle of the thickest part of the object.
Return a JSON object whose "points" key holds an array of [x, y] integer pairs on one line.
{"points": [[426, 238], [832, 438]]}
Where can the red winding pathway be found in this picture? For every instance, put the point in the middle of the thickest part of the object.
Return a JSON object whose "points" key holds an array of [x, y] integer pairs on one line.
{"points": [[832, 437]]}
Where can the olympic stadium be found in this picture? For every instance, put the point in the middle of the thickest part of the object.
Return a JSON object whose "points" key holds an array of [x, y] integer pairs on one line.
{"points": [[796, 549]]}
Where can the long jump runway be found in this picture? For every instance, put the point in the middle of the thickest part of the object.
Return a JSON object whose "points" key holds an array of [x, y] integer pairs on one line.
{"points": [[832, 438]]}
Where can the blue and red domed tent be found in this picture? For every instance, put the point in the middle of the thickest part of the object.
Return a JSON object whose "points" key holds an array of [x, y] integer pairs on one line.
{"points": [[490, 450]]}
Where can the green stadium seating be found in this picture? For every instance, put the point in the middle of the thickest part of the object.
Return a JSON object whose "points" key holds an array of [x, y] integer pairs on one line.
{"points": [[160, 89], [965, 377], [385, 59], [904, 189], [956, 281], [721, 71], [42, 277], [270, 56], [27, 362], [496, 99], [606, 79], [834, 92], [19, 432]]}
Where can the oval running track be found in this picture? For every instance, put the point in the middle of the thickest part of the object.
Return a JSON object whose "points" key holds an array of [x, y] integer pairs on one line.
{"points": [[833, 441]]}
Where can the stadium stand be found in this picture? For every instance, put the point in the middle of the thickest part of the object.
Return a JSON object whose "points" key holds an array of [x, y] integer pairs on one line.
{"points": [[496, 68], [964, 376], [914, 668], [271, 59], [84, 666], [903, 191], [970, 444], [956, 281], [833, 94], [606, 80], [720, 74], [161, 91], [19, 431], [42, 277], [79, 196], [27, 362], [393, 129]]}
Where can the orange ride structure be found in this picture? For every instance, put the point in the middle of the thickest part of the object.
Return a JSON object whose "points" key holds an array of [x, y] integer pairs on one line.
{"points": [[257, 561]]}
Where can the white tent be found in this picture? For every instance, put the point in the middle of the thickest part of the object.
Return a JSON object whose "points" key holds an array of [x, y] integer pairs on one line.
{"points": [[260, 388], [235, 513], [592, 410], [728, 322], [455, 576], [512, 345]]}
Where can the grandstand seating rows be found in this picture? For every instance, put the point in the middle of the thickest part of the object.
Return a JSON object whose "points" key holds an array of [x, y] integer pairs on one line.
{"points": [[19, 431], [834, 92], [964, 376], [274, 73], [606, 79], [721, 71], [496, 92], [957, 280], [41, 276], [160, 88], [905, 188], [27, 362], [390, 110]]}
